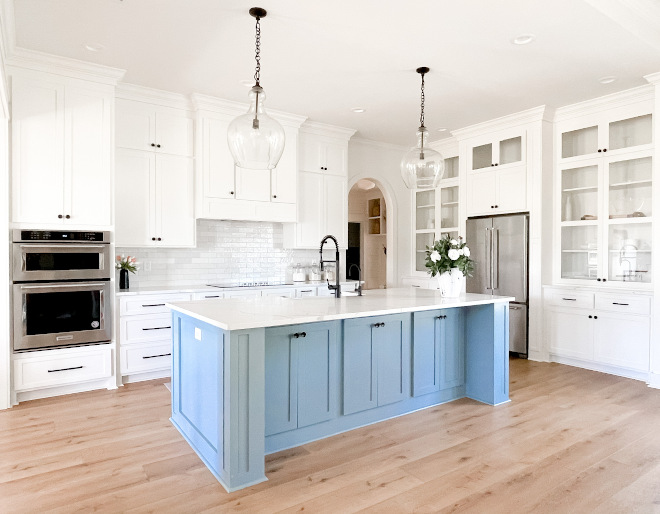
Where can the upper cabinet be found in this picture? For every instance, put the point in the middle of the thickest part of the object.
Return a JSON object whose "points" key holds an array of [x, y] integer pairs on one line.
{"points": [[145, 126], [154, 186], [61, 151], [604, 185], [497, 173], [226, 191], [322, 206]]}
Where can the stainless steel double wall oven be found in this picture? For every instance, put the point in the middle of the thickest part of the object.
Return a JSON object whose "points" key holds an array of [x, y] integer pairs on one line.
{"points": [[61, 288]]}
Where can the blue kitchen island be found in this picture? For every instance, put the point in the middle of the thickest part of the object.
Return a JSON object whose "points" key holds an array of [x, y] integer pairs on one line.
{"points": [[255, 376]]}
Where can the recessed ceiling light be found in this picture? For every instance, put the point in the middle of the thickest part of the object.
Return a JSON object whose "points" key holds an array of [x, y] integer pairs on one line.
{"points": [[358, 109], [523, 39], [247, 82], [93, 47], [607, 80]]}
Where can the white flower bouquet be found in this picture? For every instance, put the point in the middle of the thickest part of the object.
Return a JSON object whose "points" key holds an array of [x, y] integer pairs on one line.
{"points": [[447, 253]]}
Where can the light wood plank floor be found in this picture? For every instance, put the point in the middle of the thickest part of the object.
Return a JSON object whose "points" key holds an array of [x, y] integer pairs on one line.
{"points": [[570, 441]]}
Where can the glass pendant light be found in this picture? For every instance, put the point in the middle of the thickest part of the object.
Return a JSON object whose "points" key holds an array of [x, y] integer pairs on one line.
{"points": [[256, 140], [422, 167]]}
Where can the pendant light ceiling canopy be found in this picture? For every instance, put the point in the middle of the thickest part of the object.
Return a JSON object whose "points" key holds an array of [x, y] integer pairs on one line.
{"points": [[256, 140], [422, 167]]}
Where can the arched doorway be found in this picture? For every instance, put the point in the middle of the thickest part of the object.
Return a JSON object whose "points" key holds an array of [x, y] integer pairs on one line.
{"points": [[368, 234]]}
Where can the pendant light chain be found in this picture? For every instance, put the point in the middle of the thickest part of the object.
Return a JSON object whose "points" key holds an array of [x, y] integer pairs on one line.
{"points": [[421, 116], [257, 57]]}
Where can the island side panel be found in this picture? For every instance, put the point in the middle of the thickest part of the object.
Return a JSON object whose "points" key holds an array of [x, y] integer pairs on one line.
{"points": [[487, 353], [197, 387], [218, 398]]}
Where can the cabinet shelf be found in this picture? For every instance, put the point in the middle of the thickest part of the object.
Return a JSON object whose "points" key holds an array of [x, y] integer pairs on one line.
{"points": [[448, 204], [631, 220], [582, 188], [429, 206], [632, 183], [579, 223]]}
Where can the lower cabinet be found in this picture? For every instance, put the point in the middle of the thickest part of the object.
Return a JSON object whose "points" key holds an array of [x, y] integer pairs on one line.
{"points": [[610, 330], [438, 350], [301, 375], [376, 361]]}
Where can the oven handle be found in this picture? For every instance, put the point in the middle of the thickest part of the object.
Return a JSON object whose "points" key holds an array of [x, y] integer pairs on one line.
{"points": [[63, 246], [77, 284]]}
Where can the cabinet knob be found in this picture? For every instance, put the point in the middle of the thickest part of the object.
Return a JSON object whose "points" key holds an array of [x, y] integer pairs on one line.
{"points": [[274, 196], [492, 164], [231, 192], [157, 146], [595, 317], [297, 335], [153, 238], [597, 280], [604, 149], [154, 144], [497, 164], [60, 216], [496, 206], [68, 216], [590, 316], [604, 280], [599, 150], [159, 239], [303, 334]]}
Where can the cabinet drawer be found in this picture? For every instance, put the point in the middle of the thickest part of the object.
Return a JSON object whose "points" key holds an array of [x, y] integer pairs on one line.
{"points": [[624, 304], [577, 299], [51, 368], [208, 295], [141, 329], [145, 357], [149, 304]]}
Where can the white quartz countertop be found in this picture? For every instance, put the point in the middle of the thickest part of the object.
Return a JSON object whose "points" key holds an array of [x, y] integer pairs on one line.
{"points": [[247, 313], [204, 288]]}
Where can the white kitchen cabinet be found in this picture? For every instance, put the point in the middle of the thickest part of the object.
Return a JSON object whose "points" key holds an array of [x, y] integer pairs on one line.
{"points": [[605, 331], [145, 335], [504, 148], [226, 191], [497, 191], [149, 127], [61, 151], [154, 199], [604, 185], [322, 207]]}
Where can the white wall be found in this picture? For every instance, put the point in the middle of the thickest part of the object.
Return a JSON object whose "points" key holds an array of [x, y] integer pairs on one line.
{"points": [[379, 161], [5, 336]]}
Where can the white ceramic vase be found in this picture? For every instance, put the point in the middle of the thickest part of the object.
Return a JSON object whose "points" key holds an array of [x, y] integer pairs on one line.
{"points": [[451, 283]]}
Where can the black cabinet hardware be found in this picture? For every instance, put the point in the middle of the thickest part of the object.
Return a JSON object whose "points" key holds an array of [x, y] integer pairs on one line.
{"points": [[159, 239], [60, 216], [617, 303], [444, 316], [570, 299], [157, 146], [300, 334], [153, 238], [590, 316], [231, 192], [64, 369], [154, 356], [154, 144], [153, 305], [157, 328], [595, 317]]}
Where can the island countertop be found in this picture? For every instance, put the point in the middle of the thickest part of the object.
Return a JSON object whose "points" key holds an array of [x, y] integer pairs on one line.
{"points": [[248, 313]]}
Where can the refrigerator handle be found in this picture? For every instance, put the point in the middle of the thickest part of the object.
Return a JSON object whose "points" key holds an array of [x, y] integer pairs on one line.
{"points": [[496, 258], [489, 276]]}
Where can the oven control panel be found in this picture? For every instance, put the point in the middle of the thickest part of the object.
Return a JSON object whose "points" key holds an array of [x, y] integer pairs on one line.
{"points": [[61, 236]]}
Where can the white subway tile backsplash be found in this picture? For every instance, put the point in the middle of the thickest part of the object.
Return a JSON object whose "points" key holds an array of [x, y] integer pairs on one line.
{"points": [[227, 251]]}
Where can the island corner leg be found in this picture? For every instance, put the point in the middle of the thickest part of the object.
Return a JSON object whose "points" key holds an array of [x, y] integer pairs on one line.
{"points": [[487, 353], [244, 409]]}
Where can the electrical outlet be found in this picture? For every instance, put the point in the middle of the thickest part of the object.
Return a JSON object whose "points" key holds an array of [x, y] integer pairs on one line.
{"points": [[146, 265]]}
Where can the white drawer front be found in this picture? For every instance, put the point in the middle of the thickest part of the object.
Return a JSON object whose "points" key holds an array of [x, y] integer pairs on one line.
{"points": [[577, 299], [623, 304], [149, 303], [243, 293], [282, 292], [305, 291], [142, 329], [209, 295], [145, 357], [54, 368]]}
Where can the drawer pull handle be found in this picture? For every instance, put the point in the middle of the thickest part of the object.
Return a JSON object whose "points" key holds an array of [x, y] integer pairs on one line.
{"points": [[306, 291], [156, 328], [513, 308], [154, 356], [617, 303], [570, 299], [64, 369], [212, 296], [153, 305]]}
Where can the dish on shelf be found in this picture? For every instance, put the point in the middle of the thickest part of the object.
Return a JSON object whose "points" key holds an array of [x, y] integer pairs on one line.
{"points": [[589, 217]]}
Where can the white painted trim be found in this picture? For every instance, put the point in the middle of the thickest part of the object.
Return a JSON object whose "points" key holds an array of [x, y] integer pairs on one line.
{"points": [[40, 61], [654, 380], [154, 96], [653, 78], [5, 303], [231, 109], [391, 235], [605, 103], [380, 144], [325, 130], [509, 121], [601, 368]]}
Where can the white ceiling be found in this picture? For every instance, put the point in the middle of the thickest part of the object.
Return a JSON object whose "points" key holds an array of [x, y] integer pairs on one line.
{"points": [[323, 58]]}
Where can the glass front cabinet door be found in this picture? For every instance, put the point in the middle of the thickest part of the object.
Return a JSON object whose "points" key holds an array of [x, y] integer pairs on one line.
{"points": [[605, 192]]}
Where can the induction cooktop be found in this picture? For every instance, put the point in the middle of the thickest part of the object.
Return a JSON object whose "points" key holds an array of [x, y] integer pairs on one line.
{"points": [[251, 283]]}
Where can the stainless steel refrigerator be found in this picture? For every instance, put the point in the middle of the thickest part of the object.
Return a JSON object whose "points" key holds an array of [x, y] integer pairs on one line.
{"points": [[499, 247]]}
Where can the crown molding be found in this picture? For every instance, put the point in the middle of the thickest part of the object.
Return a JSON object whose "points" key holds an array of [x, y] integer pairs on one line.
{"points": [[229, 108], [323, 129], [540, 113], [447, 146], [150, 95], [653, 78], [644, 93], [48, 63], [379, 144]]}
